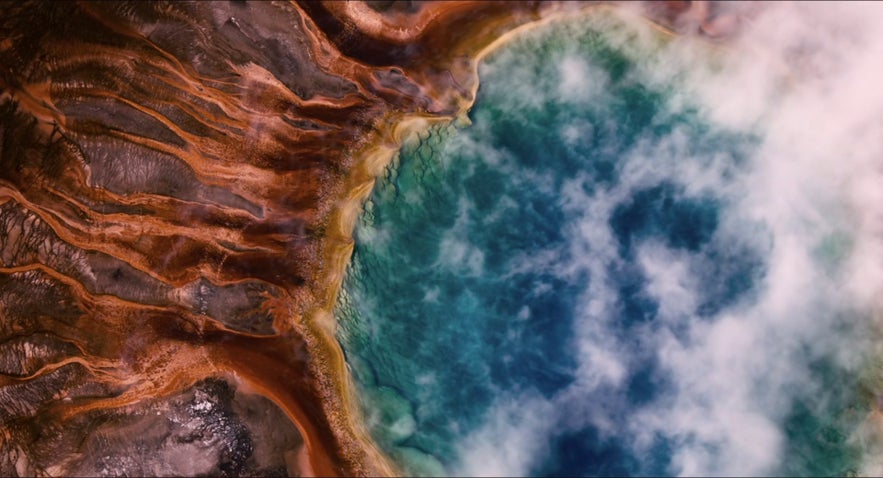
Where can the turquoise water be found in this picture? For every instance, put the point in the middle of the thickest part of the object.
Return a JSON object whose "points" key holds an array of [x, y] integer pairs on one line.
{"points": [[573, 285]]}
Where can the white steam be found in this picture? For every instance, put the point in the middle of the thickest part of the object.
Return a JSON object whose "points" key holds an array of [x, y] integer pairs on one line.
{"points": [[808, 78]]}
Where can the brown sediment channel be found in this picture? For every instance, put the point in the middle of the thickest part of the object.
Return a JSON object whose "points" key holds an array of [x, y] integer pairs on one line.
{"points": [[178, 188]]}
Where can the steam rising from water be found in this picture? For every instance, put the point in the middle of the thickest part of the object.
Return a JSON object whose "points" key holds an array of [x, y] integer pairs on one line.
{"points": [[722, 266]]}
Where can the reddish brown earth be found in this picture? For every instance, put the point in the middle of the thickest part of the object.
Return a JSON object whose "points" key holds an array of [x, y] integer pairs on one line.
{"points": [[178, 183]]}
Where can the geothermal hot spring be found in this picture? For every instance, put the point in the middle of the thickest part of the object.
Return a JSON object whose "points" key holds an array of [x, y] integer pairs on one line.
{"points": [[465, 238], [643, 255]]}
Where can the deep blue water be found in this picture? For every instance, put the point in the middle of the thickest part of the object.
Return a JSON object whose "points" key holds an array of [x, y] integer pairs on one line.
{"points": [[512, 279]]}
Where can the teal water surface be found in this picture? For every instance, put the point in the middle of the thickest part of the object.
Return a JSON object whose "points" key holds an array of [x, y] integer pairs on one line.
{"points": [[574, 285]]}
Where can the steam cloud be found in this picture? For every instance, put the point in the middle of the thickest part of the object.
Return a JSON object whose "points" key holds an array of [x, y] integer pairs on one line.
{"points": [[805, 78]]}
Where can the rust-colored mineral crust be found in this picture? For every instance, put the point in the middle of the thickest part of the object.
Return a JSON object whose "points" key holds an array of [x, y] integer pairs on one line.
{"points": [[178, 183]]}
